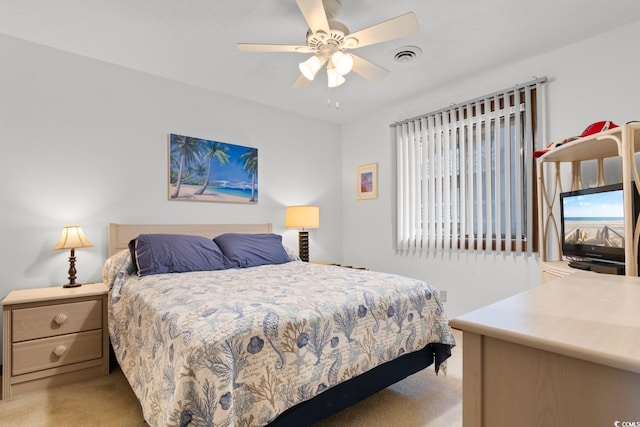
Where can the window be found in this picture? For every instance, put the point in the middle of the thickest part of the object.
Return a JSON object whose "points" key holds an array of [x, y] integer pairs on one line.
{"points": [[465, 174]]}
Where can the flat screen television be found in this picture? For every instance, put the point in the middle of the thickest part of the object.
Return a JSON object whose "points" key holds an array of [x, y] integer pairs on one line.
{"points": [[592, 223]]}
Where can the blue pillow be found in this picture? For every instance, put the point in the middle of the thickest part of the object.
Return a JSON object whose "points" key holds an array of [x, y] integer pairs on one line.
{"points": [[176, 253], [250, 250]]}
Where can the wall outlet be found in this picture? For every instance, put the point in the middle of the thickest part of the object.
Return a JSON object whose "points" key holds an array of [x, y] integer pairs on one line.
{"points": [[442, 296]]}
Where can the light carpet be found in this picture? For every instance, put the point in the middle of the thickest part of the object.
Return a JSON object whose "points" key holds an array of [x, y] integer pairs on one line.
{"points": [[420, 400]]}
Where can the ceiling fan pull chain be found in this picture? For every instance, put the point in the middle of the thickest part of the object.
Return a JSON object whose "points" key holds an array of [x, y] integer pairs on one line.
{"points": [[330, 105]]}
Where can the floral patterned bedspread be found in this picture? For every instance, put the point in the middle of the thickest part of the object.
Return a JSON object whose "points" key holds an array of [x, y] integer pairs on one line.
{"points": [[238, 347]]}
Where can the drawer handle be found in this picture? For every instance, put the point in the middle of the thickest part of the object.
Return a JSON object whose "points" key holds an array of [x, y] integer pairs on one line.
{"points": [[60, 318], [60, 350]]}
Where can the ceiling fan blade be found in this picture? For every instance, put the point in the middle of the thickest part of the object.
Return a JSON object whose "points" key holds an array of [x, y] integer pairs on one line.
{"points": [[315, 15], [301, 82], [370, 71], [394, 28], [259, 47]]}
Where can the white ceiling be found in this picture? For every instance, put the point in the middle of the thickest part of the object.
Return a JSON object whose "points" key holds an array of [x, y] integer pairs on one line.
{"points": [[194, 41]]}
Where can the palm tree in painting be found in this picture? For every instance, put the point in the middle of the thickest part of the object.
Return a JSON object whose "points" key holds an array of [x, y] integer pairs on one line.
{"points": [[249, 161], [213, 150], [174, 166], [188, 150], [199, 171]]}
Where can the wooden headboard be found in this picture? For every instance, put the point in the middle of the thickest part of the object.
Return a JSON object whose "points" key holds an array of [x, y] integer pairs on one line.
{"points": [[121, 234]]}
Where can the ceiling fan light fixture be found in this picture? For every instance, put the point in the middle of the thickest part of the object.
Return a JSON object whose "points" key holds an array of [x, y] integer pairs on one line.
{"points": [[328, 40], [343, 62], [334, 79], [310, 67]]}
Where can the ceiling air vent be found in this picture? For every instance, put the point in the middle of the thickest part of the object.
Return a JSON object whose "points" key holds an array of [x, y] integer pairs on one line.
{"points": [[406, 53]]}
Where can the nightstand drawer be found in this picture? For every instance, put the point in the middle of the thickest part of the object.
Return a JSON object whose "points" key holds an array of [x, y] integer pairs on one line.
{"points": [[56, 319], [36, 355]]}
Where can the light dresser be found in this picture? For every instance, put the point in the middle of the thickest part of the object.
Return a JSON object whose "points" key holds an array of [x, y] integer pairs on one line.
{"points": [[561, 354], [53, 336]]}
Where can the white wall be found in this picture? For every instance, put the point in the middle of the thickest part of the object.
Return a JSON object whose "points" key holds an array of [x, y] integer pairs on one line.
{"points": [[596, 79], [85, 142]]}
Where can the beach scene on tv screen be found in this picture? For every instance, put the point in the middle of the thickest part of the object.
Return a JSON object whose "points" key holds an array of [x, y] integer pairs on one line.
{"points": [[594, 219]]}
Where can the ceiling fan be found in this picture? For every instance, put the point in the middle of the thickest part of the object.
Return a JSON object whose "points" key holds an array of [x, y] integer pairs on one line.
{"points": [[329, 40]]}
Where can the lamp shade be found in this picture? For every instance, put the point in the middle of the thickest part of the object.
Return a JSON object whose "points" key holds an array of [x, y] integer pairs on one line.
{"points": [[72, 238], [311, 66], [343, 62], [334, 79], [302, 217]]}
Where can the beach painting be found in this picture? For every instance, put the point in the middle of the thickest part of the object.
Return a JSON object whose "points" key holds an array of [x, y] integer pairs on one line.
{"points": [[367, 181], [212, 171]]}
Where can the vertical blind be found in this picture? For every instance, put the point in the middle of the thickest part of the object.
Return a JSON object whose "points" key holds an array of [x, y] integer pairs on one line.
{"points": [[464, 174]]}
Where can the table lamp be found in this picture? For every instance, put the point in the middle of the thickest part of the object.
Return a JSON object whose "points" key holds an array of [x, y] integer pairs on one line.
{"points": [[72, 238], [303, 217]]}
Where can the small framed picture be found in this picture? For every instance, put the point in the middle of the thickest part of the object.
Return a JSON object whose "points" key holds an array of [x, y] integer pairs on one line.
{"points": [[367, 181]]}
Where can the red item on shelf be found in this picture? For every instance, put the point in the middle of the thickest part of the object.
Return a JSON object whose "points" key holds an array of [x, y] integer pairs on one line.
{"points": [[598, 127]]}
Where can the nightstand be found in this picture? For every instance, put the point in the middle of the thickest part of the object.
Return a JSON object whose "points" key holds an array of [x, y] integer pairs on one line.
{"points": [[53, 336]]}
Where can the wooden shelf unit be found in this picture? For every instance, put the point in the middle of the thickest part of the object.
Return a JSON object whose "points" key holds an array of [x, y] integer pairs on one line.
{"points": [[622, 142]]}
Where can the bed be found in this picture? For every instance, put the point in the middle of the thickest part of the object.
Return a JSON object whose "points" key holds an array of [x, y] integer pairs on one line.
{"points": [[270, 341]]}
